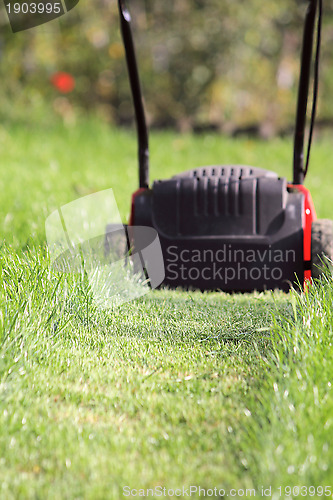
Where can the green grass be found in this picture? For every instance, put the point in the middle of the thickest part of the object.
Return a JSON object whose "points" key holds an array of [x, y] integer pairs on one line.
{"points": [[172, 389]]}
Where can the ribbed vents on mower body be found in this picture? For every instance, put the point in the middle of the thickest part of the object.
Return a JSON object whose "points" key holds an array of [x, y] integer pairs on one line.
{"points": [[234, 171], [219, 200]]}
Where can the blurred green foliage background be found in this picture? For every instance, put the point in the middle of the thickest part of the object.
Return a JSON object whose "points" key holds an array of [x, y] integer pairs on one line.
{"points": [[225, 64]]}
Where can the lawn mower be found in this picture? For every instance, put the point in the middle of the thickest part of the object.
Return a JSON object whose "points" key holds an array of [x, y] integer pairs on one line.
{"points": [[234, 228]]}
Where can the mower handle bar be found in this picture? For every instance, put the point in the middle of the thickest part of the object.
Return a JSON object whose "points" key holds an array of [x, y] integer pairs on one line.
{"points": [[302, 101], [299, 171], [132, 68]]}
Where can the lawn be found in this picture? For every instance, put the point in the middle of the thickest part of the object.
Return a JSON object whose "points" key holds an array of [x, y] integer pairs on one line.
{"points": [[175, 389]]}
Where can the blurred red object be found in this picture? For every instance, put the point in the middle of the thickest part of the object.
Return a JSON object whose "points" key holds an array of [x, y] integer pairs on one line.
{"points": [[62, 81]]}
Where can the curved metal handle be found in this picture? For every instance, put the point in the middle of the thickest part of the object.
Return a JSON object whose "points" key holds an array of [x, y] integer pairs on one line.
{"points": [[132, 68], [303, 91]]}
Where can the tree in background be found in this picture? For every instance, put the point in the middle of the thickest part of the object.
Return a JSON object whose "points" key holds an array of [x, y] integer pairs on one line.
{"points": [[203, 63]]}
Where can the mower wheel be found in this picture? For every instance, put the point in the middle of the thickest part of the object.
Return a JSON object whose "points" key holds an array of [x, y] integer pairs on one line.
{"points": [[321, 246]]}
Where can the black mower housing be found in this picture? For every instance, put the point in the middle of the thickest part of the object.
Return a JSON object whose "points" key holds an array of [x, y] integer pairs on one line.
{"points": [[235, 228]]}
